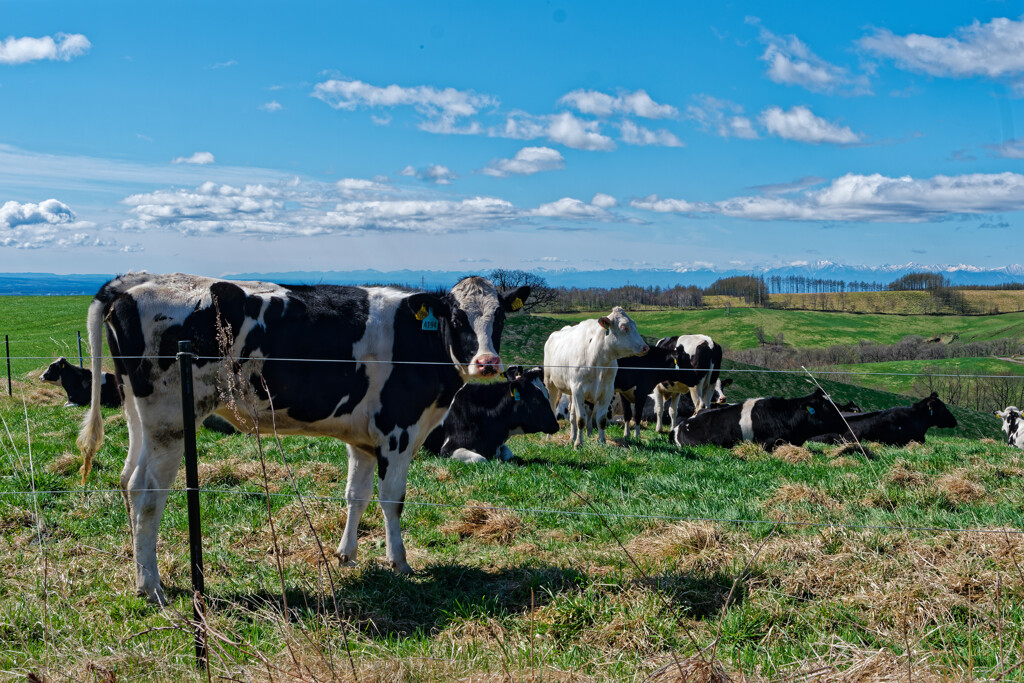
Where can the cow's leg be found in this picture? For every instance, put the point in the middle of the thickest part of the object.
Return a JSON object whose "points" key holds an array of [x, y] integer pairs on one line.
{"points": [[467, 456], [391, 486], [627, 416], [659, 407], [504, 453], [131, 460], [697, 398], [673, 410], [601, 407], [579, 417], [358, 491], [148, 486]]}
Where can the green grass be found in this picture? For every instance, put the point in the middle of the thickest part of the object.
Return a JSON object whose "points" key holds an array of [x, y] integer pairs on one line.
{"points": [[541, 591], [735, 329]]}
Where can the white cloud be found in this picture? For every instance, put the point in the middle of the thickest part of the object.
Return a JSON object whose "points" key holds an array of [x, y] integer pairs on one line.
{"points": [[527, 161], [224, 65], [61, 47], [271, 106], [791, 62], [637, 103], [349, 206], [658, 205], [994, 49], [570, 208], [604, 201], [1010, 149], [869, 198], [199, 159], [710, 113], [435, 173], [49, 212], [50, 223], [570, 131], [443, 109], [633, 134], [800, 124]]}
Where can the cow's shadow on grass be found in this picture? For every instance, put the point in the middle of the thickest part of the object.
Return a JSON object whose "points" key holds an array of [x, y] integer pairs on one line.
{"points": [[384, 604]]}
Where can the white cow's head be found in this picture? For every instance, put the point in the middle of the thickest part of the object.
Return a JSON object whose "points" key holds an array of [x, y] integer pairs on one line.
{"points": [[625, 340]]}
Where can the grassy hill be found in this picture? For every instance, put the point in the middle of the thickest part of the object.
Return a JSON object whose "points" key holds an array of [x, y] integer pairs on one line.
{"points": [[900, 303]]}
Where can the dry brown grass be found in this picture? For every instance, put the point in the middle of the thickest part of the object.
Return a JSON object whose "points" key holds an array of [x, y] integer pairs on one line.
{"points": [[66, 464], [959, 489], [689, 670], [487, 524], [794, 455], [793, 494], [748, 450], [901, 475], [688, 546], [847, 448], [235, 471]]}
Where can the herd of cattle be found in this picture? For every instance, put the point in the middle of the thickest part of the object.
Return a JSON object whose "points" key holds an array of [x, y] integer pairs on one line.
{"points": [[388, 371]]}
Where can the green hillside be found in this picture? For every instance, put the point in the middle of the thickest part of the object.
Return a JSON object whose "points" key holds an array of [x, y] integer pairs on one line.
{"points": [[734, 328]]}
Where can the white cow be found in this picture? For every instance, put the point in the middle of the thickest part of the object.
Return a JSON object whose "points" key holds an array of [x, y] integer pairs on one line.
{"points": [[1013, 426], [581, 360]]}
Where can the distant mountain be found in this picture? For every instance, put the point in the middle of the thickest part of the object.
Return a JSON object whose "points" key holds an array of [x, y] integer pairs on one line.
{"points": [[701, 276]]}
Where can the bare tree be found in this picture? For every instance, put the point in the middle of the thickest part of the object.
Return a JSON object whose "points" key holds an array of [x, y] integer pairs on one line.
{"points": [[541, 295]]}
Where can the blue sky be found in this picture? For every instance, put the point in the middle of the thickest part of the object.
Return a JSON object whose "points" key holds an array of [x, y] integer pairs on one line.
{"points": [[241, 137]]}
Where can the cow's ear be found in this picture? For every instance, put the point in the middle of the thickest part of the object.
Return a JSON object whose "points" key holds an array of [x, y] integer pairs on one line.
{"points": [[422, 304], [513, 300], [726, 382], [604, 321]]}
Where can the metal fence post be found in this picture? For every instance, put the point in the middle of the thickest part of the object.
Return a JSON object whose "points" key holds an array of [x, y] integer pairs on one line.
{"points": [[81, 361], [7, 345], [195, 530]]}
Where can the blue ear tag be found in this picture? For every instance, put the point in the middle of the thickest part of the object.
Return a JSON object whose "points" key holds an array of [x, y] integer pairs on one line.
{"points": [[515, 393], [430, 322], [810, 410]]}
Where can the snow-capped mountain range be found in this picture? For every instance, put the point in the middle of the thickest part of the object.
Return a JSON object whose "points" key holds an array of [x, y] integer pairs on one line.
{"points": [[700, 275]]}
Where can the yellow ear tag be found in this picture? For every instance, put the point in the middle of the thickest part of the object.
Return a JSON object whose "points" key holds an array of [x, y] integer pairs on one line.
{"points": [[422, 313], [517, 303]]}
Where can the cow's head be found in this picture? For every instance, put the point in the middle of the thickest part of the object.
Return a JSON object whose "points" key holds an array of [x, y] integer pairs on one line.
{"points": [[719, 395], [1011, 417], [52, 373], [625, 339], [472, 317], [849, 407], [938, 413], [821, 413], [531, 406]]}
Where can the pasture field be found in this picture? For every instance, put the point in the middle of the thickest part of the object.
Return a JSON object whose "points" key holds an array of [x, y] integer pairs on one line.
{"points": [[907, 564], [902, 381], [981, 301], [734, 329]]}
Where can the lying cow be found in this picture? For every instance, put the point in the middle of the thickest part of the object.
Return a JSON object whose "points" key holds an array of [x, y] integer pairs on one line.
{"points": [[77, 384], [895, 426], [580, 360], [1013, 425], [483, 416], [375, 367], [700, 362], [769, 422]]}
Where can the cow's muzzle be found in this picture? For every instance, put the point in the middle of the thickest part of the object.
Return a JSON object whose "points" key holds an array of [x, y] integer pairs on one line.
{"points": [[486, 366]]}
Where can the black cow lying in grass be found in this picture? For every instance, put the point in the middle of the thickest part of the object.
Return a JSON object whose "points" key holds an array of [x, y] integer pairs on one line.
{"points": [[483, 416], [895, 426], [77, 383], [769, 422]]}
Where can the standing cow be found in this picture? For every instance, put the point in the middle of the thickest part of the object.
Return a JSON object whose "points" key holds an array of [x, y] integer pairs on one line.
{"points": [[1013, 425], [580, 360], [700, 359], [376, 367]]}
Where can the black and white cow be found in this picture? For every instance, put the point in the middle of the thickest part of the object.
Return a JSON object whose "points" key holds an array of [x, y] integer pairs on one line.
{"points": [[895, 426], [685, 405], [769, 422], [77, 383], [376, 367], [483, 416], [1013, 425], [637, 376], [701, 360]]}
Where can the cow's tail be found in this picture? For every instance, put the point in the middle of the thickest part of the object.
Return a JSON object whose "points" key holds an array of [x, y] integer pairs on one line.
{"points": [[90, 437]]}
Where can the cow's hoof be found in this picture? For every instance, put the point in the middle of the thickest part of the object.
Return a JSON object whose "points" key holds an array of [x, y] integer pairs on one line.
{"points": [[344, 560], [401, 567], [155, 596]]}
